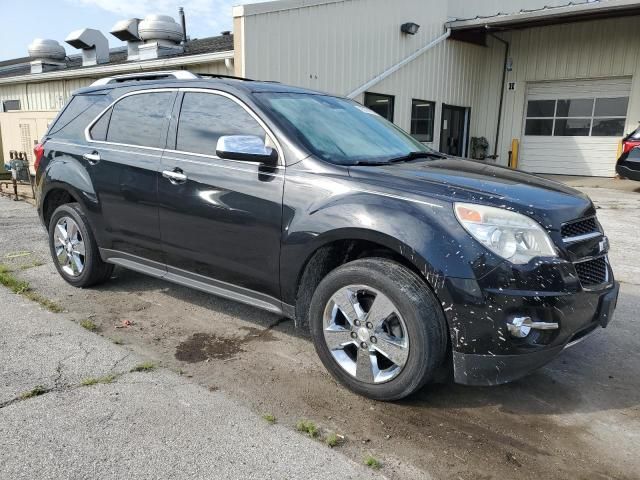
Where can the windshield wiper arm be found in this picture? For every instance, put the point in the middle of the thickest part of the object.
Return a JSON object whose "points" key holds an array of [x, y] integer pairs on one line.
{"points": [[416, 155]]}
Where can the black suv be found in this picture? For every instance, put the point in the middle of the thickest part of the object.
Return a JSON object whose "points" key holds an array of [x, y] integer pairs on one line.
{"points": [[403, 263]]}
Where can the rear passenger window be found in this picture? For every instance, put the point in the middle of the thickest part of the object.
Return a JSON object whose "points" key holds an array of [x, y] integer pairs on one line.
{"points": [[141, 119], [205, 117], [75, 117]]}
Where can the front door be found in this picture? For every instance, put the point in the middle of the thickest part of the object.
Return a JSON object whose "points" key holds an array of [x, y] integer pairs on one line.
{"points": [[454, 130], [221, 221]]}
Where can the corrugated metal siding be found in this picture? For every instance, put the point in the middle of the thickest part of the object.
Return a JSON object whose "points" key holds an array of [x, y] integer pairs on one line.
{"points": [[466, 9], [339, 46], [52, 95], [586, 50]]}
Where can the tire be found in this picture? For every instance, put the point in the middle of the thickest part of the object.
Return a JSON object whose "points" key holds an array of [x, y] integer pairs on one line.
{"points": [[94, 271], [414, 334]]}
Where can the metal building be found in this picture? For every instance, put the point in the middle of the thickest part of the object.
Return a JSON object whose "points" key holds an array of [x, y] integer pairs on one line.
{"points": [[551, 85], [562, 79]]}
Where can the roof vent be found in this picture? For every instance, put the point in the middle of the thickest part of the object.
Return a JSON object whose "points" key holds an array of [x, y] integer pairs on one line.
{"points": [[161, 35], [94, 46], [46, 55], [127, 31]]}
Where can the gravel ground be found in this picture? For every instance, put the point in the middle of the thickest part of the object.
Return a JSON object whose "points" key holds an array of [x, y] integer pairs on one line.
{"points": [[579, 417]]}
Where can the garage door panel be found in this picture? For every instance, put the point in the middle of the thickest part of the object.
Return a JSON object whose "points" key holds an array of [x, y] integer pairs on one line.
{"points": [[571, 155]]}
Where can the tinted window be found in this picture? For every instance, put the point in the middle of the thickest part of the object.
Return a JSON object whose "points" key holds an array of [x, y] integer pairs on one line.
{"points": [[141, 119], [572, 127], [381, 104], [581, 107], [205, 117], [541, 108], [78, 113], [99, 129], [538, 127], [422, 120], [608, 127], [611, 107]]}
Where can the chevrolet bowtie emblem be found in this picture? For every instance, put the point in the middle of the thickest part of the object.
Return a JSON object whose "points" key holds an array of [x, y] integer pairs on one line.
{"points": [[604, 245]]}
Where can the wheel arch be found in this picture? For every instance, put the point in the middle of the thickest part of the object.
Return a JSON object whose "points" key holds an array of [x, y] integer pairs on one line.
{"points": [[342, 246]]}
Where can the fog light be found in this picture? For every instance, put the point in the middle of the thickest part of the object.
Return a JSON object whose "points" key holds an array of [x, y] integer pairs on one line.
{"points": [[520, 327]]}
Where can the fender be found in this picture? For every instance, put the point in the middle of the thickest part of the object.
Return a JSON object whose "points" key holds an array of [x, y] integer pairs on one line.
{"points": [[425, 233]]}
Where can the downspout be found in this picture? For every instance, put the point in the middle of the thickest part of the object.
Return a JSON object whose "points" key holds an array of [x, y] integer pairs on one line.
{"points": [[398, 66], [504, 78]]}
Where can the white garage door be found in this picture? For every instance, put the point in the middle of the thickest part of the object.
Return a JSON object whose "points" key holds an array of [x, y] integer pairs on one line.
{"points": [[574, 127]]}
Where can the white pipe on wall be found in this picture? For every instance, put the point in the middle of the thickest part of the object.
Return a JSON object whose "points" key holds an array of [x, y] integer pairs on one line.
{"points": [[399, 65]]}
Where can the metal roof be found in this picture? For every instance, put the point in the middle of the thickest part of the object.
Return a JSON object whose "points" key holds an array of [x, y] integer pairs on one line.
{"points": [[21, 67], [571, 12]]}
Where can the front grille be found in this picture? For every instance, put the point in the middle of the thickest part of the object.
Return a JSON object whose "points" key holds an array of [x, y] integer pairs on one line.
{"points": [[592, 272], [579, 227]]}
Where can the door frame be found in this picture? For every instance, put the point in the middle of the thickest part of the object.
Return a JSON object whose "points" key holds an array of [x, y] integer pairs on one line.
{"points": [[465, 130]]}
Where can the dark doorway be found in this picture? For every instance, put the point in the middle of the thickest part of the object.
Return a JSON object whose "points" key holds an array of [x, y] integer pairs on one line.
{"points": [[381, 104], [454, 130]]}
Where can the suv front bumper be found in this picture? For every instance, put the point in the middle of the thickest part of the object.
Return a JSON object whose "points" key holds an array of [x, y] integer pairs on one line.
{"points": [[484, 352]]}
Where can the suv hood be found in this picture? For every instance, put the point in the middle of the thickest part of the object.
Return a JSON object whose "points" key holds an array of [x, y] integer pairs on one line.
{"points": [[459, 180]]}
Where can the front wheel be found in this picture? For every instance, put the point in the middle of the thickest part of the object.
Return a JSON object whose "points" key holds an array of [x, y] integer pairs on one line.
{"points": [[378, 328]]}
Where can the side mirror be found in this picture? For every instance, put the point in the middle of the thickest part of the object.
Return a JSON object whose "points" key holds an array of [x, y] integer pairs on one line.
{"points": [[248, 148]]}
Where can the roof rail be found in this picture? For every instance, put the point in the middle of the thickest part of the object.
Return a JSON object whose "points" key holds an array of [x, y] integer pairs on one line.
{"points": [[217, 75], [176, 74]]}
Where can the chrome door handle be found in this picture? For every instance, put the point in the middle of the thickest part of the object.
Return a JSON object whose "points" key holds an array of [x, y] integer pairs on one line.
{"points": [[174, 176], [92, 158]]}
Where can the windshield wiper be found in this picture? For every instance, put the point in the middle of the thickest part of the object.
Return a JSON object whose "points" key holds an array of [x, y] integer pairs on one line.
{"points": [[416, 155]]}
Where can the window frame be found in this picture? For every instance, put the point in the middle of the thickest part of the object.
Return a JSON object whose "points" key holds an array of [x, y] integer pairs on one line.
{"points": [[175, 112], [591, 118], [178, 113], [392, 103], [433, 120]]}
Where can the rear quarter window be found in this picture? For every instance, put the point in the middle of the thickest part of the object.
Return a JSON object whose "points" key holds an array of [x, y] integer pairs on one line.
{"points": [[77, 115]]}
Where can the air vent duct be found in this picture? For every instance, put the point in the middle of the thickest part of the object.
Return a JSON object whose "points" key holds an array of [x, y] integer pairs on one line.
{"points": [[46, 55], [161, 35], [94, 46], [127, 31]]}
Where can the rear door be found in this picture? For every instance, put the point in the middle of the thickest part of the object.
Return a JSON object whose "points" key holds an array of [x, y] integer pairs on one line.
{"points": [[123, 157], [221, 225]]}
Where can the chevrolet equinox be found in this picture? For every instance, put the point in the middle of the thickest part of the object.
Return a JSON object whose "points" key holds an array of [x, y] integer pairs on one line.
{"points": [[404, 264]]}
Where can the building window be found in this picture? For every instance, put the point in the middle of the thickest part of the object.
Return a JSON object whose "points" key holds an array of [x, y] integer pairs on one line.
{"points": [[381, 104], [577, 117], [9, 105], [422, 114]]}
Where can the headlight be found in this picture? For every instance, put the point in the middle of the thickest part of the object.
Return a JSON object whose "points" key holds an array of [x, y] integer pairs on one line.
{"points": [[510, 235]]}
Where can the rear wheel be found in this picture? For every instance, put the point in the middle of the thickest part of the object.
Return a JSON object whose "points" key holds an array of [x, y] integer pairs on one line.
{"points": [[74, 249], [378, 328]]}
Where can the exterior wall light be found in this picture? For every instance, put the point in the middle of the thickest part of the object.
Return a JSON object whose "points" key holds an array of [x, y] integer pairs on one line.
{"points": [[409, 28]]}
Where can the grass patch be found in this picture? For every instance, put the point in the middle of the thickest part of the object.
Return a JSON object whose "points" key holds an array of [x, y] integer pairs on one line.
{"points": [[332, 440], [96, 380], [144, 367], [89, 325], [34, 264], [372, 462], [23, 288], [36, 391], [308, 427], [269, 418]]}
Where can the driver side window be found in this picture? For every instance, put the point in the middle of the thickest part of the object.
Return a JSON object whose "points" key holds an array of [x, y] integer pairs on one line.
{"points": [[205, 117]]}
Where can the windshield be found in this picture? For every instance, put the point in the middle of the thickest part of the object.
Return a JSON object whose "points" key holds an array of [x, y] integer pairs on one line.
{"points": [[339, 130]]}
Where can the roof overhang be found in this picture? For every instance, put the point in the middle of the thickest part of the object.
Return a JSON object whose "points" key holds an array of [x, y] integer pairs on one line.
{"points": [[106, 70], [546, 16]]}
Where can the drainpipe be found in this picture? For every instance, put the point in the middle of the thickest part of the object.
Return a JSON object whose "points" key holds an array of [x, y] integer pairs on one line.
{"points": [[398, 66], [504, 78]]}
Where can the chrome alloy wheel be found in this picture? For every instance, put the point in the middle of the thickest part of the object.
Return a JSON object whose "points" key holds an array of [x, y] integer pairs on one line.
{"points": [[366, 334], [69, 246]]}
